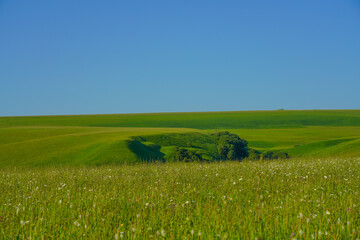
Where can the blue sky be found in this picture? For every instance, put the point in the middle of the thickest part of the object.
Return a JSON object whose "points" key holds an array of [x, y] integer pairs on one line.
{"points": [[89, 57]]}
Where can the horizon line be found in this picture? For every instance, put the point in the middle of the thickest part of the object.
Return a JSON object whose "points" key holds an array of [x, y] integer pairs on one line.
{"points": [[201, 112]]}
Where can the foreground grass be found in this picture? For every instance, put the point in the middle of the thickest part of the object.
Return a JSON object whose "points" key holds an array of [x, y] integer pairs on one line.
{"points": [[248, 200]]}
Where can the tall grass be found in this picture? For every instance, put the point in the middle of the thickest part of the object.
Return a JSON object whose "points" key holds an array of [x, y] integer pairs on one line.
{"points": [[303, 199]]}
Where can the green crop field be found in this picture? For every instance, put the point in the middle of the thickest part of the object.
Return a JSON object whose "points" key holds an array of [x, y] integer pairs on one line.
{"points": [[110, 176]]}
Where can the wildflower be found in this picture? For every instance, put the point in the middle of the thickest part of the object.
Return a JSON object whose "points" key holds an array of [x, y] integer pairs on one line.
{"points": [[22, 222], [116, 236], [163, 232], [76, 223], [327, 212], [300, 232]]}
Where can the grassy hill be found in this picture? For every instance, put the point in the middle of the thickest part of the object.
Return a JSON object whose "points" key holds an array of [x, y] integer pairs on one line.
{"points": [[109, 139]]}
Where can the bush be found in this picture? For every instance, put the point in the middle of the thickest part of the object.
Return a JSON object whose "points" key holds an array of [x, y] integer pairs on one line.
{"points": [[230, 146], [275, 155], [254, 155], [185, 155]]}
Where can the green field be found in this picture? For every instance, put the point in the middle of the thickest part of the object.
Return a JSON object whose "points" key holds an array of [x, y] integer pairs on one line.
{"points": [[107, 139]]}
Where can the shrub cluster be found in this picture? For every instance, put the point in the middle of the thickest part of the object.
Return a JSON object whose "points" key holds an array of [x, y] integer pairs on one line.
{"points": [[231, 146], [254, 155], [185, 155], [275, 155], [268, 155]]}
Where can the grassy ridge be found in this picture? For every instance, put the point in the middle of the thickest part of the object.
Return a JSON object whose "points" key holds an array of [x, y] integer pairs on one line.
{"points": [[303, 199], [29, 146], [34, 146], [205, 120], [78, 140], [307, 141]]}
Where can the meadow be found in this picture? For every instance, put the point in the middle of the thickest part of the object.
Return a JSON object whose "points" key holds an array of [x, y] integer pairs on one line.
{"points": [[87, 177], [292, 199]]}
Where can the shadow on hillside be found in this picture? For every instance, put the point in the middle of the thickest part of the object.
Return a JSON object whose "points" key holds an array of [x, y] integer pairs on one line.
{"points": [[146, 153]]}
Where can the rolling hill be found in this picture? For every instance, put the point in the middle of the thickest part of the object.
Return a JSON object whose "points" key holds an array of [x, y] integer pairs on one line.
{"points": [[109, 139]]}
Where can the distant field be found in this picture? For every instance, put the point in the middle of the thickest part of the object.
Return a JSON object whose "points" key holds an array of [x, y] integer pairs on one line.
{"points": [[106, 139], [204, 120]]}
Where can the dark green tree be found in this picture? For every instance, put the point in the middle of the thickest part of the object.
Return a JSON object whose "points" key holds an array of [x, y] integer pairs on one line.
{"points": [[231, 146]]}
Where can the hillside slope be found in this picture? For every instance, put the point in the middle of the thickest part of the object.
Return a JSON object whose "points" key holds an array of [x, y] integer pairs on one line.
{"points": [[39, 146], [93, 139]]}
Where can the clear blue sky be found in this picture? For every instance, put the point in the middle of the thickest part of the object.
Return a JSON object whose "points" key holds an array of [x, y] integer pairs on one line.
{"points": [[85, 57]]}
